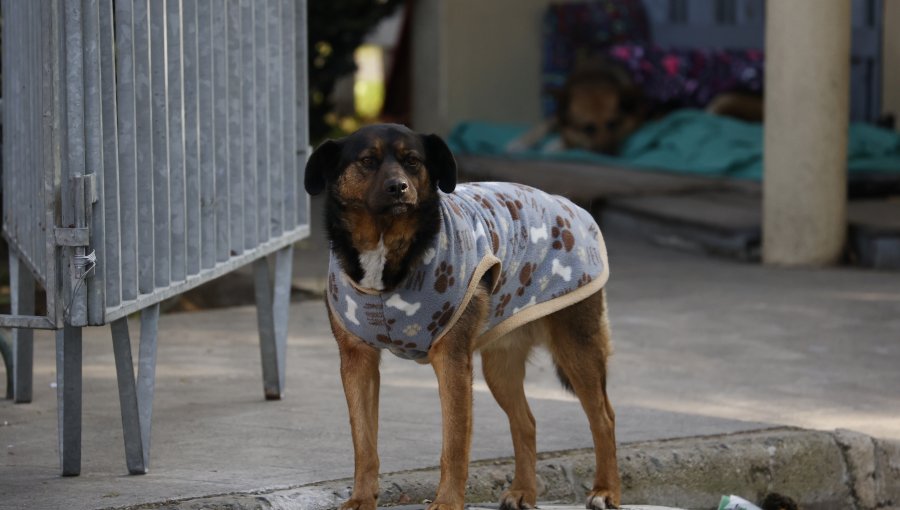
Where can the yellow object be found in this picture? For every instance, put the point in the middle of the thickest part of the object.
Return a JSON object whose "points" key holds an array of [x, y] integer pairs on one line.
{"points": [[368, 86]]}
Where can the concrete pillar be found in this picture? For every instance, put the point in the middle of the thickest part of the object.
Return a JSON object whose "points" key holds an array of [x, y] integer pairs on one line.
{"points": [[476, 59], [807, 113]]}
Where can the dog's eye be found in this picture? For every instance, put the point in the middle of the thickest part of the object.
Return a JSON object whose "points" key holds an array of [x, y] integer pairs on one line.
{"points": [[411, 161], [589, 129], [368, 161], [613, 124]]}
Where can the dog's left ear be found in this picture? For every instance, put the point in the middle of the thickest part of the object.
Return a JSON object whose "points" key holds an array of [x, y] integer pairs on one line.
{"points": [[322, 161], [440, 162]]}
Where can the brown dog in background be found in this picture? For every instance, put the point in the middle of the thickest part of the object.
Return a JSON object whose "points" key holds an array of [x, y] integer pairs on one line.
{"points": [[597, 110], [381, 185], [600, 106]]}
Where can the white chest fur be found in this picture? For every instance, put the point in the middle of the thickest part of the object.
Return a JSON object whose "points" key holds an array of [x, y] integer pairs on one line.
{"points": [[372, 262]]}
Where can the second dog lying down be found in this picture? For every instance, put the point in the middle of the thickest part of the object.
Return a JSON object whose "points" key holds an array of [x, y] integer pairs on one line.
{"points": [[600, 107]]}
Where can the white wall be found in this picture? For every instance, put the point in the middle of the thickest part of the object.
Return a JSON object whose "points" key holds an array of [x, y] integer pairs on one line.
{"points": [[476, 59]]}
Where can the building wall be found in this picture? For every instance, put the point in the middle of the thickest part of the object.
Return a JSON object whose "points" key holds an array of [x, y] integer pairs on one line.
{"points": [[476, 59]]}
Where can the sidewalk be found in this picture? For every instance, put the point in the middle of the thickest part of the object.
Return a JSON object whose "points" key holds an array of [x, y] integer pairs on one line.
{"points": [[704, 347]]}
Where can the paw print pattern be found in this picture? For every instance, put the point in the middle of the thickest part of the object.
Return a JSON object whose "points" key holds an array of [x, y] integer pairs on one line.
{"points": [[455, 208], [514, 205], [411, 330], [584, 280], [440, 318], [500, 282], [484, 202], [525, 277], [444, 277], [502, 304], [383, 339], [562, 236], [495, 238]]}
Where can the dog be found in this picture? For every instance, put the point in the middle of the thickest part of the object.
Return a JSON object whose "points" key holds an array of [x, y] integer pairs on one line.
{"points": [[597, 109], [435, 272], [600, 106]]}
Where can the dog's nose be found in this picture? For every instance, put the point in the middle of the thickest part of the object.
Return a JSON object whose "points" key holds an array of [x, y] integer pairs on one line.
{"points": [[395, 187]]}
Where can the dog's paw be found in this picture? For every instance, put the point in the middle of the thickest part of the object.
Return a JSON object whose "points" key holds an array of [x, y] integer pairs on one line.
{"points": [[601, 500], [445, 506], [360, 504], [517, 500]]}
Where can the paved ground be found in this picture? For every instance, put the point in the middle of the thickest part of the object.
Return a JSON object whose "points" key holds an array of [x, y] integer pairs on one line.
{"points": [[703, 346]]}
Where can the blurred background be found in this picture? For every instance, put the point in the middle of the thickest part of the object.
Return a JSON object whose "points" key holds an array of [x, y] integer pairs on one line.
{"points": [[682, 155], [433, 63]]}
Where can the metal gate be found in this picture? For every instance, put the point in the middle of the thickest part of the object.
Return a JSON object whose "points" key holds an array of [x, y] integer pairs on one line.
{"points": [[149, 147]]}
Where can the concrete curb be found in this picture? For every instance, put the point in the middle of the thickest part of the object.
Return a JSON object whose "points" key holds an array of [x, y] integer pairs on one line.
{"points": [[841, 469]]}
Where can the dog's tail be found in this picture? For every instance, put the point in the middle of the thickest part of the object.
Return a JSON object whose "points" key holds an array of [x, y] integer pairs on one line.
{"points": [[566, 383]]}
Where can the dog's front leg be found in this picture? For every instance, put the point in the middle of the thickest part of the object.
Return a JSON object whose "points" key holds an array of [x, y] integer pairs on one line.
{"points": [[452, 362], [361, 378]]}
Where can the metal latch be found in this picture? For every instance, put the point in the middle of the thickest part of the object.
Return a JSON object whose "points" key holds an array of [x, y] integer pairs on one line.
{"points": [[75, 236], [76, 239]]}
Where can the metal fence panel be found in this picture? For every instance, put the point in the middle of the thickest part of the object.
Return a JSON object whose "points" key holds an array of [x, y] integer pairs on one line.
{"points": [[33, 72], [169, 131]]}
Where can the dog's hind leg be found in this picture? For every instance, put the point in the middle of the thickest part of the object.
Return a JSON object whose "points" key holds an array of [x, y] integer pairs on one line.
{"points": [[503, 364], [580, 344]]}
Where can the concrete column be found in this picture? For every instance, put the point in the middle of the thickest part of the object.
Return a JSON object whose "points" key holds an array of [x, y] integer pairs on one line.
{"points": [[807, 113]]}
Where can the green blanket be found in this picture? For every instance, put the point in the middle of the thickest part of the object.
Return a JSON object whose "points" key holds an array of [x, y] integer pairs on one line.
{"points": [[687, 141]]}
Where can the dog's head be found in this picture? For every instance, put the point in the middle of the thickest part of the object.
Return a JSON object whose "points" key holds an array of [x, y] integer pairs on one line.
{"points": [[385, 169], [599, 108]]}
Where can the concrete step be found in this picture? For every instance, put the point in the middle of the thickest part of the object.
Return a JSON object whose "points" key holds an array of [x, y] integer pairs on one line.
{"points": [[729, 223]]}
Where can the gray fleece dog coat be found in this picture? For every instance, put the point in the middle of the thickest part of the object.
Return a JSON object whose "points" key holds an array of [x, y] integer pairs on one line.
{"points": [[543, 253]]}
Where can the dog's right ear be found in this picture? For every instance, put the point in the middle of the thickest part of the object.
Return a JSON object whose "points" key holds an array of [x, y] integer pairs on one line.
{"points": [[322, 162], [440, 162]]}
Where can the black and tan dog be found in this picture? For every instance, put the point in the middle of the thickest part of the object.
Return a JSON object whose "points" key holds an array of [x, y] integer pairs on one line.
{"points": [[385, 217]]}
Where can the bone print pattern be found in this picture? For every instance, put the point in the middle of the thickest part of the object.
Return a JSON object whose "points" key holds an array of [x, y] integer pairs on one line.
{"points": [[545, 246]]}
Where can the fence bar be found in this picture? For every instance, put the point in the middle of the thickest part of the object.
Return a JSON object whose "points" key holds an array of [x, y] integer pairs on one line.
{"points": [[272, 302], [68, 398], [160, 133], [177, 221], [126, 99], [220, 128], [288, 130], [144, 148], [235, 124], [52, 150], [249, 95], [261, 50], [207, 134], [21, 286], [73, 203], [109, 204], [301, 107], [191, 135], [93, 139], [136, 396], [275, 165]]}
